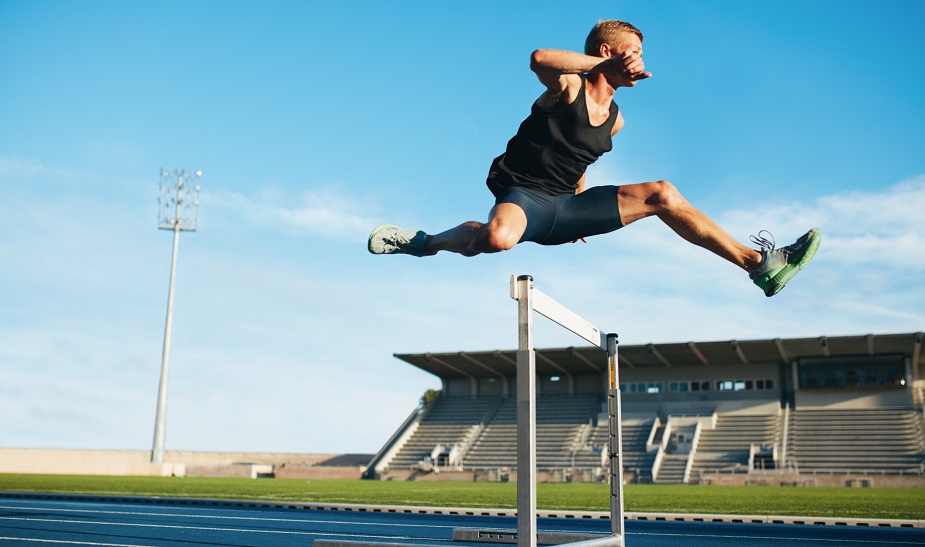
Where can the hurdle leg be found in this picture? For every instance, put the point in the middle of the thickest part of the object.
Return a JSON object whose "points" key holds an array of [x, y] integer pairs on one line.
{"points": [[615, 424], [526, 416]]}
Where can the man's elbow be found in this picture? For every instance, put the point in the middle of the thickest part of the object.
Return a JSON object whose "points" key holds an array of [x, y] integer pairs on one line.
{"points": [[539, 60]]}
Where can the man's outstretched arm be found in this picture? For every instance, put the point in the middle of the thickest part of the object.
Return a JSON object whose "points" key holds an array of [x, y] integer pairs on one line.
{"points": [[558, 70], [550, 64]]}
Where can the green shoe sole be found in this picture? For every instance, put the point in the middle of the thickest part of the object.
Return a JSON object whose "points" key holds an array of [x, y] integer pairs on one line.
{"points": [[781, 278]]}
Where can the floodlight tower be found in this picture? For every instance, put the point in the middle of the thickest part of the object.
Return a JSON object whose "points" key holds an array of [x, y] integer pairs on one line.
{"points": [[178, 210]]}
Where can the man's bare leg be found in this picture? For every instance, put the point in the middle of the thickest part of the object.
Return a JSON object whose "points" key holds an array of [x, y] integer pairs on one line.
{"points": [[506, 224], [663, 200], [770, 268]]}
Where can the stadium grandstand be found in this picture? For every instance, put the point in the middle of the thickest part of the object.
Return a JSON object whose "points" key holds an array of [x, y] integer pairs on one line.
{"points": [[828, 410]]}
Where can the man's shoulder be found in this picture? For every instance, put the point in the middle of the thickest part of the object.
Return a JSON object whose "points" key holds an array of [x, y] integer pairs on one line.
{"points": [[617, 123], [551, 98]]}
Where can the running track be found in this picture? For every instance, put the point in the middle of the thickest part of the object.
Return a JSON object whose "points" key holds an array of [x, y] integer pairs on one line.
{"points": [[37, 519]]}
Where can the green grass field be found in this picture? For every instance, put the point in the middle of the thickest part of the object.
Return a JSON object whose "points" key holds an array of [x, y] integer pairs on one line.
{"points": [[887, 503]]}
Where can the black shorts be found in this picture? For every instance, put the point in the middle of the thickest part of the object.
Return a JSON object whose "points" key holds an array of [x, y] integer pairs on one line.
{"points": [[553, 220]]}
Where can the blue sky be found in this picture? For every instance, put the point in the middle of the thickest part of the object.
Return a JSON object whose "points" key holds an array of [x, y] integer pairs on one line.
{"points": [[314, 122]]}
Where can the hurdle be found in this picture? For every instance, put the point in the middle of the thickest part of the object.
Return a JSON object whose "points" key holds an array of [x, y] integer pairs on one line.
{"points": [[530, 299]]}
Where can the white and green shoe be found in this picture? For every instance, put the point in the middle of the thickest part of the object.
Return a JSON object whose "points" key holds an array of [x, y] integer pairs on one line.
{"points": [[780, 265], [388, 240]]}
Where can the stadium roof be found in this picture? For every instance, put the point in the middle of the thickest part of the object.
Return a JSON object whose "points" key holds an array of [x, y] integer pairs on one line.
{"points": [[590, 360]]}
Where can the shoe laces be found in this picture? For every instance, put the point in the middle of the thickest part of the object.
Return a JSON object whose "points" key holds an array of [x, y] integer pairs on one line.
{"points": [[397, 238], [767, 245]]}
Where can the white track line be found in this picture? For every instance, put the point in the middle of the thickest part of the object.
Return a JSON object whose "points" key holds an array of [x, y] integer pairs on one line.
{"points": [[777, 538], [71, 542], [185, 515], [216, 529]]}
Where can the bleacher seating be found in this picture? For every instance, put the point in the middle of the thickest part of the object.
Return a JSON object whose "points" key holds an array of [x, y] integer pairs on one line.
{"points": [[671, 470], [726, 447], [876, 440], [635, 457], [497, 445], [560, 421], [448, 421], [572, 432]]}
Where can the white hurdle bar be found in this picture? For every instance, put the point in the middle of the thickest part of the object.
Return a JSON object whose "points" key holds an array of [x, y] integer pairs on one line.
{"points": [[529, 300]]}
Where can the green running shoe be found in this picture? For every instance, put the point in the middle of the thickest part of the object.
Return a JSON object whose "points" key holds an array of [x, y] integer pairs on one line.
{"points": [[780, 265], [388, 240]]}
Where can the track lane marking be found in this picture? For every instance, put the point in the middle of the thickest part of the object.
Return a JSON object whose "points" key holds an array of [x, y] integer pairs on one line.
{"points": [[183, 515], [72, 542], [218, 529]]}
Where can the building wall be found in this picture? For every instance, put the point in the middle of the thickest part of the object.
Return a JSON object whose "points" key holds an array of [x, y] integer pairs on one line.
{"points": [[754, 400], [546, 385], [84, 462], [138, 462], [853, 398]]}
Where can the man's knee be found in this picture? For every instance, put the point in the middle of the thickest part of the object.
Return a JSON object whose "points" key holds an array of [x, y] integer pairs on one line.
{"points": [[498, 238], [664, 195]]}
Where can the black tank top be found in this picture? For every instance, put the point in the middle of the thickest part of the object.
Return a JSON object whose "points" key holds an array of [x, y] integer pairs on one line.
{"points": [[553, 148]]}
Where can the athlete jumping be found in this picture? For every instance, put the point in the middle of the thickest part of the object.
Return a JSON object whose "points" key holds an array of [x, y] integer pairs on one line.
{"points": [[539, 181]]}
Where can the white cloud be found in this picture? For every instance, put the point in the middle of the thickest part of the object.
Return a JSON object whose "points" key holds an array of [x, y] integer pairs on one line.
{"points": [[886, 227], [326, 211], [22, 168]]}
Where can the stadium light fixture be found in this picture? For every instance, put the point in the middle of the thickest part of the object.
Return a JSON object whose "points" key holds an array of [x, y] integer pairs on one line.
{"points": [[178, 212]]}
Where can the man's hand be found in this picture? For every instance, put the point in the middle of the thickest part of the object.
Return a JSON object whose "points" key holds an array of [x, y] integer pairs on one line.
{"points": [[629, 65]]}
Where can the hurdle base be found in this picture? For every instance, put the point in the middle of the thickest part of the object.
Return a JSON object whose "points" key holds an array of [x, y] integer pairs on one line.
{"points": [[542, 538], [491, 536]]}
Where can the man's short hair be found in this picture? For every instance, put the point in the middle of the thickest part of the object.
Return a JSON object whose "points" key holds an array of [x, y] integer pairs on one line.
{"points": [[608, 32]]}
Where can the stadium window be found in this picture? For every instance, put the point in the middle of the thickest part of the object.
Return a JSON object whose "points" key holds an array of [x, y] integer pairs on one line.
{"points": [[553, 378], [739, 385], [749, 385], [640, 387], [724, 385], [851, 371], [655, 388], [767, 383]]}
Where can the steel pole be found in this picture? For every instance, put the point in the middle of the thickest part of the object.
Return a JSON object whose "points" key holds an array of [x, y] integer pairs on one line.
{"points": [[615, 425], [526, 416], [160, 420]]}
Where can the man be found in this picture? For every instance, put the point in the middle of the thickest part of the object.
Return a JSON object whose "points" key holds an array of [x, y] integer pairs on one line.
{"points": [[539, 181]]}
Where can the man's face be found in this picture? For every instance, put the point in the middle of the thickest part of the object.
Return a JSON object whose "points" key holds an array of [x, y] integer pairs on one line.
{"points": [[628, 44]]}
